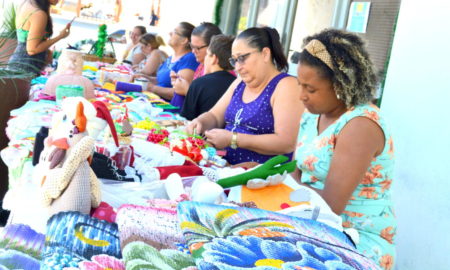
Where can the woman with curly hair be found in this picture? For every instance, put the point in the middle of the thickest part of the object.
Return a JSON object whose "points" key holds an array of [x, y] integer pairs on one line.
{"points": [[344, 149]]}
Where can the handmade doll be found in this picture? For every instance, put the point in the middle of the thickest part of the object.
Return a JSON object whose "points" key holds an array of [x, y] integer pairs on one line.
{"points": [[68, 182]]}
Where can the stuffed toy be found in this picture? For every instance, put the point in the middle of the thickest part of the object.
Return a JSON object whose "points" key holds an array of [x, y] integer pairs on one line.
{"points": [[70, 66], [68, 182], [97, 114], [271, 167]]}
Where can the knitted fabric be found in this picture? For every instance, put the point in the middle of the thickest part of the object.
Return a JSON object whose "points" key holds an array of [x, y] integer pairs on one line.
{"points": [[156, 226]]}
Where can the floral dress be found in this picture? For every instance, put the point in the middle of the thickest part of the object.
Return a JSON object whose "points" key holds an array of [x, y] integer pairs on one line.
{"points": [[369, 209]]}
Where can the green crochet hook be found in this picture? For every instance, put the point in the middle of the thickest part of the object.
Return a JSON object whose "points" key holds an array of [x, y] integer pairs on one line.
{"points": [[270, 167]]}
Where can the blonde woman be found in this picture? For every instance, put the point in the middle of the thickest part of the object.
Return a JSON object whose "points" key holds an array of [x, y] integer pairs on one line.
{"points": [[154, 57]]}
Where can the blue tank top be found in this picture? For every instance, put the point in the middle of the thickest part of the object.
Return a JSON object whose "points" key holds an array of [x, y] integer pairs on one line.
{"points": [[255, 117]]}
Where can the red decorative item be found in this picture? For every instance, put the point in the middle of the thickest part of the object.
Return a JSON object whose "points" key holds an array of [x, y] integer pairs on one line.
{"points": [[158, 135]]}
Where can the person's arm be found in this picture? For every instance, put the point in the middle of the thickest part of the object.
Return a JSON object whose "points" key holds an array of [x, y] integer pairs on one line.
{"points": [[152, 64], [357, 144], [287, 110], [214, 118], [167, 92], [138, 55], [36, 42]]}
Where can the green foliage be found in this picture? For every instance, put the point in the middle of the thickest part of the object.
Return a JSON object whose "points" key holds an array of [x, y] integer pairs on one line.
{"points": [[101, 42], [218, 12], [8, 26]]}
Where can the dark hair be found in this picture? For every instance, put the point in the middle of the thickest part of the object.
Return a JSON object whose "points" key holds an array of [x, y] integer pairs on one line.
{"points": [[206, 31], [186, 31], [353, 75], [44, 5], [266, 37], [221, 47], [142, 29], [154, 40]]}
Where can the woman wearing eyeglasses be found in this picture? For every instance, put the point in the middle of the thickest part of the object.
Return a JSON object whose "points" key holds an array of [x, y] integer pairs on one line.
{"points": [[182, 62], [200, 40], [258, 117]]}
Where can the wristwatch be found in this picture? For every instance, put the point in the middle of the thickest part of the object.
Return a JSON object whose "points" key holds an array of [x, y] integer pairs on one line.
{"points": [[233, 144]]}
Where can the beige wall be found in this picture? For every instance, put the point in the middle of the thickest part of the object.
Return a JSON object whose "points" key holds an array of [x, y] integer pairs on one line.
{"points": [[312, 16]]}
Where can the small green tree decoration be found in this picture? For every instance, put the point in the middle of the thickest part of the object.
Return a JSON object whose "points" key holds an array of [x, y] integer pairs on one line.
{"points": [[102, 37]]}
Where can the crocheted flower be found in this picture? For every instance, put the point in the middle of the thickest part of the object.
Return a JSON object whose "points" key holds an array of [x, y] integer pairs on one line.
{"points": [[248, 253], [257, 253], [102, 262]]}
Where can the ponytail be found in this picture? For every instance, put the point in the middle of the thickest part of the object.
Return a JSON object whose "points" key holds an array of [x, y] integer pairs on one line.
{"points": [[160, 41], [261, 38]]}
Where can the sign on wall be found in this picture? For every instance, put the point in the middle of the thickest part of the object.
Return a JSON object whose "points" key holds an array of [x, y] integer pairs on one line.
{"points": [[358, 17]]}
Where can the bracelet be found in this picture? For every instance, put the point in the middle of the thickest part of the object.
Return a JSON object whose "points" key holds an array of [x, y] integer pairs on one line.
{"points": [[233, 143]]}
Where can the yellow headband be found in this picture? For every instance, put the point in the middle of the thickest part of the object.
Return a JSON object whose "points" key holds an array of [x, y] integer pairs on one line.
{"points": [[317, 49]]}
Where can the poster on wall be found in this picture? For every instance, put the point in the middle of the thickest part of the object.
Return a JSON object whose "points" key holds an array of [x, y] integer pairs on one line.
{"points": [[358, 17]]}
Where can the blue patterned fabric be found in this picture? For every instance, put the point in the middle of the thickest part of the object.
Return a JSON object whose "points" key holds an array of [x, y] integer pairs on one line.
{"points": [[72, 237], [222, 237]]}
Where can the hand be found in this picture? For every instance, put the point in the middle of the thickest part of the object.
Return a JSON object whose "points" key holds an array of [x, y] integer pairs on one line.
{"points": [[195, 127], [173, 77], [65, 32], [219, 138], [181, 86]]}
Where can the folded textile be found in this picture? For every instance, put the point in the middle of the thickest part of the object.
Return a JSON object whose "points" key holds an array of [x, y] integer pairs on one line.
{"points": [[263, 240], [139, 255], [156, 226], [79, 237], [22, 238]]}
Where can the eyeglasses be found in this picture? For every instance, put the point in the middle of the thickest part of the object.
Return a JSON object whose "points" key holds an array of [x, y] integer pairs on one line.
{"points": [[240, 59], [194, 48]]}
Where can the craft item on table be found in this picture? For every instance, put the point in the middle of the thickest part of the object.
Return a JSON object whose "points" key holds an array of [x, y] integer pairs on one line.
{"points": [[65, 91], [143, 82], [139, 255], [158, 136], [127, 87], [289, 198], [105, 168], [39, 144], [270, 167], [264, 239], [104, 212], [156, 155], [22, 238], [14, 259], [204, 190], [101, 41], [185, 170], [123, 156], [109, 86], [67, 181], [156, 226], [103, 118], [102, 262], [73, 237], [69, 72]]}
